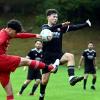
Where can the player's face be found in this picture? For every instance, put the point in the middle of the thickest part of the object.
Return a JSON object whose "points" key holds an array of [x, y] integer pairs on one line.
{"points": [[38, 45], [90, 46], [12, 32], [52, 19]]}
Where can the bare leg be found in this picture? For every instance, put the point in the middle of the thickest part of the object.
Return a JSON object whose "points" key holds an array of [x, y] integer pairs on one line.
{"points": [[68, 58], [9, 91], [43, 85], [37, 64]]}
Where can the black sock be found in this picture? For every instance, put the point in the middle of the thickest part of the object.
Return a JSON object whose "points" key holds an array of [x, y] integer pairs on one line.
{"points": [[41, 98], [85, 81], [42, 91], [94, 81], [71, 70], [22, 88], [34, 88]]}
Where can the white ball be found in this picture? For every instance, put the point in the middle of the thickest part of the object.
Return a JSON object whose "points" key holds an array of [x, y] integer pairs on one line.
{"points": [[46, 35]]}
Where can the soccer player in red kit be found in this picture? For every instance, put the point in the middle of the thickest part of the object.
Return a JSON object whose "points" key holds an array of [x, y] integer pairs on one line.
{"points": [[9, 63]]}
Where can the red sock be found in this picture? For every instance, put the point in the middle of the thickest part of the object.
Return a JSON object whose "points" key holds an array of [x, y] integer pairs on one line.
{"points": [[40, 65], [50, 67], [11, 97], [37, 64]]}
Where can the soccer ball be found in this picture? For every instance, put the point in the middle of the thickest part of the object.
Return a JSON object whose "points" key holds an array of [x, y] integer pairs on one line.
{"points": [[46, 35]]}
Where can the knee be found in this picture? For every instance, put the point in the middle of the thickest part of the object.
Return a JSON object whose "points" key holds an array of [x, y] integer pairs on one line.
{"points": [[24, 61], [94, 76], [27, 81], [38, 81], [85, 76], [69, 56], [45, 81]]}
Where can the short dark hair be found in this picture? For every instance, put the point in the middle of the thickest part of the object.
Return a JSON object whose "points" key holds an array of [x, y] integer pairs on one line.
{"points": [[90, 42], [15, 24], [39, 41], [51, 11]]}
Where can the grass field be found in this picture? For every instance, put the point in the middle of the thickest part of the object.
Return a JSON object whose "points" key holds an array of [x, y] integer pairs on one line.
{"points": [[58, 87]]}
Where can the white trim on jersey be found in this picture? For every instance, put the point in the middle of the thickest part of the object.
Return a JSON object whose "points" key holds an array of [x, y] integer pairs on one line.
{"points": [[90, 50], [67, 28], [40, 50]]}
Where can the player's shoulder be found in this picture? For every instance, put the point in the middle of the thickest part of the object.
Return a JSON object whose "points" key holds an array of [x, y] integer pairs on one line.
{"points": [[35, 50], [45, 26], [93, 51], [86, 50], [32, 50]]}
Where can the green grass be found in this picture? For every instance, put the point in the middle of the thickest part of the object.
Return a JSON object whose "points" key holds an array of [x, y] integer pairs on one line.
{"points": [[58, 87]]}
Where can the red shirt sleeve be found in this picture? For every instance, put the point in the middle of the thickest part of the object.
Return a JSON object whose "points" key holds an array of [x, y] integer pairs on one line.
{"points": [[26, 35]]}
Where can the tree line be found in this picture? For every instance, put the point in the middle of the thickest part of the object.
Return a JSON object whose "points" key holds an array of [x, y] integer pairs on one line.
{"points": [[74, 10]]}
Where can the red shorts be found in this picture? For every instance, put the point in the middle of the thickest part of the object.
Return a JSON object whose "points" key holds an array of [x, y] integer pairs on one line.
{"points": [[4, 78], [7, 64]]}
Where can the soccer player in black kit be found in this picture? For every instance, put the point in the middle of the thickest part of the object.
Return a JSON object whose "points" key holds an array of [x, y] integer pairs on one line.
{"points": [[35, 54], [89, 57], [53, 49]]}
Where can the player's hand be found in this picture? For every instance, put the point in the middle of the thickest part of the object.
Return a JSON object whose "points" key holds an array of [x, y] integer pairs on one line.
{"points": [[79, 67], [96, 67], [38, 36], [25, 68], [65, 24]]}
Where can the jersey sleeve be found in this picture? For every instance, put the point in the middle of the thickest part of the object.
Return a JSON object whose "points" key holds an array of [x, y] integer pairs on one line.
{"points": [[26, 35], [76, 26], [84, 54], [94, 54], [29, 54], [65, 29], [45, 26], [2, 39]]}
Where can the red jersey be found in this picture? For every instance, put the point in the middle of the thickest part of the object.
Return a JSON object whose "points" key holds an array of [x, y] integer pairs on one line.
{"points": [[4, 39]]}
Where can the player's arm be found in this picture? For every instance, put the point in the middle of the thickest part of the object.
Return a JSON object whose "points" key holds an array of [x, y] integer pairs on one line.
{"points": [[27, 35], [65, 24], [80, 62], [76, 26], [95, 61]]}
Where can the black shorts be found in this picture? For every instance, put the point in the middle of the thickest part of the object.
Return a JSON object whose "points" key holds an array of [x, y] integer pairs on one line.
{"points": [[90, 70], [33, 74], [49, 58]]}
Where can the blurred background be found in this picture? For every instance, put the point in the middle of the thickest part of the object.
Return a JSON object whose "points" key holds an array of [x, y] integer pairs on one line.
{"points": [[32, 15]]}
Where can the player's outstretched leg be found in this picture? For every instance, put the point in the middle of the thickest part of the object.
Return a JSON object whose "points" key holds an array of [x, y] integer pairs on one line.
{"points": [[69, 59], [39, 65], [56, 64], [74, 80]]}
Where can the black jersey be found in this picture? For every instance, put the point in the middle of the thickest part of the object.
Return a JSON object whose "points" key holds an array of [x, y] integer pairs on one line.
{"points": [[89, 56], [35, 54], [55, 45]]}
